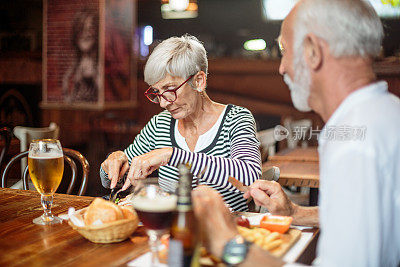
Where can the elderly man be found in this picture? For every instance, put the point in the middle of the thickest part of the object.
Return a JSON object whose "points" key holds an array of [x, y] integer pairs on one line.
{"points": [[327, 53]]}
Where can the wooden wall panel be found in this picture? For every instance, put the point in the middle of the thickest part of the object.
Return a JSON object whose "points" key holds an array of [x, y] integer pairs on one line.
{"points": [[21, 68]]}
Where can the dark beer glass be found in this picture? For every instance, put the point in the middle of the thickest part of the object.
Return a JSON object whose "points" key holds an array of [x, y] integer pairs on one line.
{"points": [[155, 209]]}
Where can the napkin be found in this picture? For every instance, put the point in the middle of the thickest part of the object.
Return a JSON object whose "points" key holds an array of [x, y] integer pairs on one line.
{"points": [[74, 218], [145, 260]]}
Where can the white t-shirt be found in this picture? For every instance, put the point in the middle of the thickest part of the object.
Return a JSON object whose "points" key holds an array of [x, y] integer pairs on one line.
{"points": [[204, 140], [359, 150]]}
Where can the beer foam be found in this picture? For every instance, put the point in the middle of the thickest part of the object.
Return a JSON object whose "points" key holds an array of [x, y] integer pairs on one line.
{"points": [[157, 204], [51, 155]]}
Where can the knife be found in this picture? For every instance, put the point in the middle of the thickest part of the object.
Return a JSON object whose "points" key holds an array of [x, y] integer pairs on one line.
{"points": [[114, 193], [238, 184]]}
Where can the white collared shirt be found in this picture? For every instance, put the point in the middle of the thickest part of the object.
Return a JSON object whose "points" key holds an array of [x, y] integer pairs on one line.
{"points": [[359, 150]]}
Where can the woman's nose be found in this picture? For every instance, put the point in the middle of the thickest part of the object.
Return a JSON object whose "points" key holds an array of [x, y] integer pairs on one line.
{"points": [[163, 103]]}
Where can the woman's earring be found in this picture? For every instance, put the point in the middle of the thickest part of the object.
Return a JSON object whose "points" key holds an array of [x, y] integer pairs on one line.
{"points": [[198, 89]]}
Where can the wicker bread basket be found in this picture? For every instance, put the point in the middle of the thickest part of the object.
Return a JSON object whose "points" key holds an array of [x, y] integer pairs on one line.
{"points": [[112, 232]]}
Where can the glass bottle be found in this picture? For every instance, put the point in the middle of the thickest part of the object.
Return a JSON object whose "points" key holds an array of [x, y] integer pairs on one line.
{"points": [[183, 239]]}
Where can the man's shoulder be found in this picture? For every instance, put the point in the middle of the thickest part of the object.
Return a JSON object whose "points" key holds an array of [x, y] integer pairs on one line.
{"points": [[370, 126], [381, 111]]}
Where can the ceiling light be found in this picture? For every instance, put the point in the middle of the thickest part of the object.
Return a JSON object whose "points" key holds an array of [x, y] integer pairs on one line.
{"points": [[255, 45]]}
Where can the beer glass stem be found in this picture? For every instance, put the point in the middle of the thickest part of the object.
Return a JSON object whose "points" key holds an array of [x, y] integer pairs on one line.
{"points": [[154, 242], [47, 202]]}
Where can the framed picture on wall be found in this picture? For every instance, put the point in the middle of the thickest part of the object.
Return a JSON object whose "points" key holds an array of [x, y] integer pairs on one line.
{"points": [[88, 58]]}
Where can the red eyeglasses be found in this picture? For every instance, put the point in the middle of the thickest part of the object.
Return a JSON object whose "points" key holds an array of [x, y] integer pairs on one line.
{"points": [[169, 95]]}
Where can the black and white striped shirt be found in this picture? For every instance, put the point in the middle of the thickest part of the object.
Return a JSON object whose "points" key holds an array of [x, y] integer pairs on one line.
{"points": [[233, 152]]}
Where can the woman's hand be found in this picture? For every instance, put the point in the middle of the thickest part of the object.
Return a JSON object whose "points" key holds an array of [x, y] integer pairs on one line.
{"points": [[144, 165], [115, 166]]}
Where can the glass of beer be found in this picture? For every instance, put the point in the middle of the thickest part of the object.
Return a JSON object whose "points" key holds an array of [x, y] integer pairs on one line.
{"points": [[46, 167], [155, 208]]}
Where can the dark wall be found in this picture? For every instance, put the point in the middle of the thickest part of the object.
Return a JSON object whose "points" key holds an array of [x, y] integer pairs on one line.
{"points": [[223, 25], [391, 42], [21, 21]]}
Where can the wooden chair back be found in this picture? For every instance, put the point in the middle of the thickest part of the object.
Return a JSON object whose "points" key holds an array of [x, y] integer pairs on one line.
{"points": [[299, 131], [6, 135], [70, 156], [27, 134]]}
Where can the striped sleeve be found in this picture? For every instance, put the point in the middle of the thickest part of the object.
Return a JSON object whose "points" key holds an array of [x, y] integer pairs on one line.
{"points": [[143, 143], [244, 163]]}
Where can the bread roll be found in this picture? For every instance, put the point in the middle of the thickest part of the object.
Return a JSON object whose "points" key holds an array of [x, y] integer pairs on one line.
{"points": [[128, 212], [101, 211]]}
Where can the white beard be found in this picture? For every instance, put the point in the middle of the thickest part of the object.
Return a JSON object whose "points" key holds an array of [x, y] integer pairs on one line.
{"points": [[300, 87]]}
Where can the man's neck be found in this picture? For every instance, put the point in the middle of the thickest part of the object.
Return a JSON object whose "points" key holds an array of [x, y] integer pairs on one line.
{"points": [[346, 76]]}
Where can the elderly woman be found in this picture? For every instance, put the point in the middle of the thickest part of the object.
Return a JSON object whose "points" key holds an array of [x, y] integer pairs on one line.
{"points": [[218, 141]]}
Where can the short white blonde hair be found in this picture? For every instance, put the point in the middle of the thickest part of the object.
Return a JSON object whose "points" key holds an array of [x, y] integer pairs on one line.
{"points": [[177, 56]]}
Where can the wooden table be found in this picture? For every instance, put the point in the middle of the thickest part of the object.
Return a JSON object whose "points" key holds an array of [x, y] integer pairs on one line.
{"points": [[298, 167], [307, 154], [23, 243]]}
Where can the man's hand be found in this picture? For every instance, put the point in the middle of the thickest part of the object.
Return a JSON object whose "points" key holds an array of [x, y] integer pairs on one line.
{"points": [[115, 166], [216, 224], [269, 194]]}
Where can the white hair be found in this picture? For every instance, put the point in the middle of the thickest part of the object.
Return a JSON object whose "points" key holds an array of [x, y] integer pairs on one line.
{"points": [[350, 27], [177, 56]]}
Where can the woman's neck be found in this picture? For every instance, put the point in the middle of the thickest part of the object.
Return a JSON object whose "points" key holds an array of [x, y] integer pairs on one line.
{"points": [[204, 116]]}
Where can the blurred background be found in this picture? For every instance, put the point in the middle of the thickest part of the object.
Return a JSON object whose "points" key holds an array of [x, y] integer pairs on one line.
{"points": [[80, 64]]}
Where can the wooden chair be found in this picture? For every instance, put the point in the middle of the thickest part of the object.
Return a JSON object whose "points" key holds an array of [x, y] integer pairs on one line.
{"points": [[6, 135], [70, 156], [27, 134], [298, 130], [268, 143], [271, 174], [15, 109]]}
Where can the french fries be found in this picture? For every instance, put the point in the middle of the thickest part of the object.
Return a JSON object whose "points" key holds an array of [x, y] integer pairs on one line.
{"points": [[262, 237]]}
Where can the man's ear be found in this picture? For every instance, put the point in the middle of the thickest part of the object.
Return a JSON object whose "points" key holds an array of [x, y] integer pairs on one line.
{"points": [[313, 51]]}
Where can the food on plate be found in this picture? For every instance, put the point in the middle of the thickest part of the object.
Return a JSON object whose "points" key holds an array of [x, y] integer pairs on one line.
{"points": [[261, 237], [208, 259], [242, 221], [101, 211], [267, 240], [276, 223]]}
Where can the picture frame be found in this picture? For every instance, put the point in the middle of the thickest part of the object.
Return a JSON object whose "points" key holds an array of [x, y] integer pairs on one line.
{"points": [[88, 59]]}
